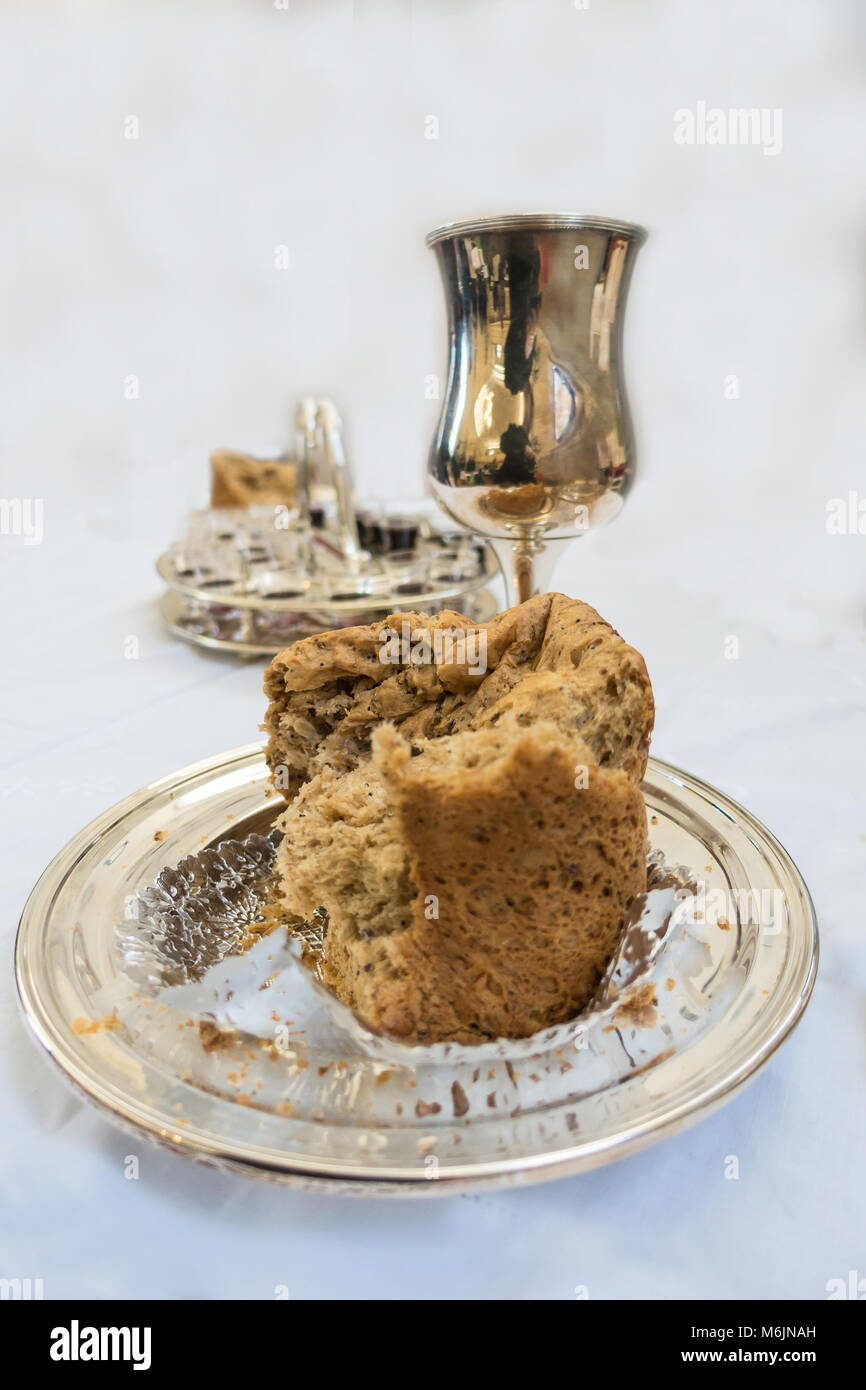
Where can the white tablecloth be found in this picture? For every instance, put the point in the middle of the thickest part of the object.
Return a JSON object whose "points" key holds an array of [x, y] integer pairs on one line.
{"points": [[154, 258]]}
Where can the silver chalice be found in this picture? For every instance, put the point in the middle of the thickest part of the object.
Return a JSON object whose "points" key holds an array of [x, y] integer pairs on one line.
{"points": [[534, 443]]}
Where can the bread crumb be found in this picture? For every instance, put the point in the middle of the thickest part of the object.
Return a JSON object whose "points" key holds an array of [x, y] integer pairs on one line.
{"points": [[213, 1037], [459, 1100], [109, 1024], [638, 1009]]}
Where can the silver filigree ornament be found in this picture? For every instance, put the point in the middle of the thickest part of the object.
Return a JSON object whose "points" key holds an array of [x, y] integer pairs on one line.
{"points": [[199, 911], [212, 905]]}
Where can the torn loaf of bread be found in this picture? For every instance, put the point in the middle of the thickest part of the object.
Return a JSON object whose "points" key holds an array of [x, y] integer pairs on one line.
{"points": [[465, 803], [238, 480]]}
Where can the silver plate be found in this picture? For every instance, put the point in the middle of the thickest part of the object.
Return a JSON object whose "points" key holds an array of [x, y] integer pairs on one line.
{"points": [[306, 1113]]}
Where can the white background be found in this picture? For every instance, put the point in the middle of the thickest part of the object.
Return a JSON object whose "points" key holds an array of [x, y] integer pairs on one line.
{"points": [[155, 257]]}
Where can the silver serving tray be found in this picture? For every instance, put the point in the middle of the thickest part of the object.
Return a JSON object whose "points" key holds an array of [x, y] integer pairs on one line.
{"points": [[241, 595], [316, 1113], [184, 619]]}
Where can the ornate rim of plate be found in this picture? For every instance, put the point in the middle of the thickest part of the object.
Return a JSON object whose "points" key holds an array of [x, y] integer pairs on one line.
{"points": [[722, 1026]]}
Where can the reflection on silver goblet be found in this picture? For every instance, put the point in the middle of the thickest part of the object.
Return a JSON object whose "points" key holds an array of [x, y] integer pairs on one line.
{"points": [[534, 443]]}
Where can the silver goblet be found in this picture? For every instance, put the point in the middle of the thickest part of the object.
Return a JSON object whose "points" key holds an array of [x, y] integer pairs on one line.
{"points": [[534, 443]]}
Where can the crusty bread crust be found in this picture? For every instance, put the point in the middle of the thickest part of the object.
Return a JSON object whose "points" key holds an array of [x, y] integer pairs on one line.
{"points": [[475, 836]]}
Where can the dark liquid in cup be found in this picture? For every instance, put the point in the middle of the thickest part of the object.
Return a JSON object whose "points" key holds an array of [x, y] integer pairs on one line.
{"points": [[370, 533], [400, 534]]}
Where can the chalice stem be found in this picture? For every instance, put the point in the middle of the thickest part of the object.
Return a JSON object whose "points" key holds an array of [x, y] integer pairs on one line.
{"points": [[527, 564]]}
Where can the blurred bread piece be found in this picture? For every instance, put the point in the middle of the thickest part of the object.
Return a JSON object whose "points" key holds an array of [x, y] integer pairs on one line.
{"points": [[238, 480]]}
